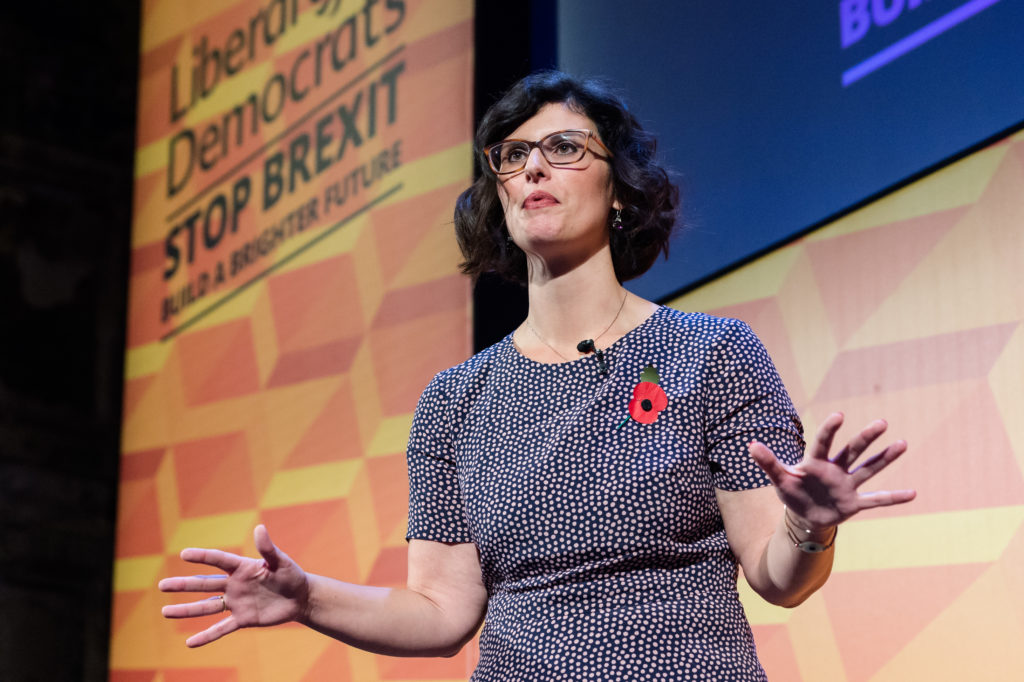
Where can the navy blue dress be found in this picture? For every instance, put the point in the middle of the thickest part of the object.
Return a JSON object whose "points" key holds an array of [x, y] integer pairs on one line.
{"points": [[601, 544]]}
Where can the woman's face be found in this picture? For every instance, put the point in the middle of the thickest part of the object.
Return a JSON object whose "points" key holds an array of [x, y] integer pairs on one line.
{"points": [[556, 211]]}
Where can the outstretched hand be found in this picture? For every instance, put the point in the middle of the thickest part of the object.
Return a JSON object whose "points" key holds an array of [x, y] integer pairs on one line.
{"points": [[256, 592], [821, 491]]}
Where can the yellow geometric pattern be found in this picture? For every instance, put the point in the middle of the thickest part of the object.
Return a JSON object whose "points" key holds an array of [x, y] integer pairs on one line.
{"points": [[911, 309], [283, 394]]}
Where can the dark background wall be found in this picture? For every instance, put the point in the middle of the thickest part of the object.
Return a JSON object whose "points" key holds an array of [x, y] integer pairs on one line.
{"points": [[499, 306], [66, 149]]}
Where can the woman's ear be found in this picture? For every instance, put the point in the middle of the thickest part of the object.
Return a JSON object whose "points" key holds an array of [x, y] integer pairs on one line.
{"points": [[617, 205]]}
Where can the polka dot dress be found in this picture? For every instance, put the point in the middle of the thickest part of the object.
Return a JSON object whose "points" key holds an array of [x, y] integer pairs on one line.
{"points": [[601, 544]]}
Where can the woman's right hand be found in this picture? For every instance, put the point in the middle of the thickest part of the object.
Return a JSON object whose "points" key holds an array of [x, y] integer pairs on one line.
{"points": [[257, 592]]}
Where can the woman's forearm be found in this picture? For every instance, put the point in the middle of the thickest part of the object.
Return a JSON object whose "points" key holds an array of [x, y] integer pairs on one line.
{"points": [[787, 575], [390, 621]]}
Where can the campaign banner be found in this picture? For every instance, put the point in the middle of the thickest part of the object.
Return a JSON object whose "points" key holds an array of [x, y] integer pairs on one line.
{"points": [[908, 309], [294, 286]]}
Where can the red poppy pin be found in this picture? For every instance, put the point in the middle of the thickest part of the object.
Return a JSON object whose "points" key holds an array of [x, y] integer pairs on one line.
{"points": [[648, 398]]}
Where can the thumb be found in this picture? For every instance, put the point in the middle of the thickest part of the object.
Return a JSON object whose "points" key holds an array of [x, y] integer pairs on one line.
{"points": [[267, 549], [767, 460]]}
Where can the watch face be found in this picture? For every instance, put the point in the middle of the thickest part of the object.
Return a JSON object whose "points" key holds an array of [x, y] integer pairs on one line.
{"points": [[811, 547]]}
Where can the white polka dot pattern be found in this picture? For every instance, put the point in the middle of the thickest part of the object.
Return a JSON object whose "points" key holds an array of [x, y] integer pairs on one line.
{"points": [[602, 548]]}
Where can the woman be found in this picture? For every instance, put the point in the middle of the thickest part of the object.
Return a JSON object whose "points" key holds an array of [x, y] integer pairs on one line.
{"points": [[591, 482]]}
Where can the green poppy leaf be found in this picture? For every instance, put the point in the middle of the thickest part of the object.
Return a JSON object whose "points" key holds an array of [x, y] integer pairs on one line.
{"points": [[650, 374]]}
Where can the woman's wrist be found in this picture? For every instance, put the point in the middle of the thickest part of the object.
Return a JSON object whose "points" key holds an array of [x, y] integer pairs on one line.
{"points": [[801, 524], [806, 538], [307, 606]]}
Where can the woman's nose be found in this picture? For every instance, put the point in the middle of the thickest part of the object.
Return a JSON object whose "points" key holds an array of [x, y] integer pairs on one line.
{"points": [[536, 164]]}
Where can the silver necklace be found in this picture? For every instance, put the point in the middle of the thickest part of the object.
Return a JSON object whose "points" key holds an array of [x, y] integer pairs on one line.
{"points": [[587, 342]]}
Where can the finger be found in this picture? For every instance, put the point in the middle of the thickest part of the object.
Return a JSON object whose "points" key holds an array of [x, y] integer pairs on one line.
{"points": [[213, 633], [822, 443], [885, 498], [878, 462], [856, 447], [266, 548], [226, 561], [203, 607], [194, 583], [767, 460]]}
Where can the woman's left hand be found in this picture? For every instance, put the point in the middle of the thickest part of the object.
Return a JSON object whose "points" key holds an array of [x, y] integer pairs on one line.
{"points": [[821, 491]]}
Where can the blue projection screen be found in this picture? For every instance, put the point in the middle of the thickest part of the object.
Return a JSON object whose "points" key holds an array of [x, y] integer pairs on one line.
{"points": [[776, 116]]}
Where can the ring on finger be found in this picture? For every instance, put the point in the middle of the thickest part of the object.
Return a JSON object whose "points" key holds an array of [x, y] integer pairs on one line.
{"points": [[223, 604]]}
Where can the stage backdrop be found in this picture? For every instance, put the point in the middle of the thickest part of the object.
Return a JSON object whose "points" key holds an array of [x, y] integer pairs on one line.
{"points": [[909, 309], [293, 289]]}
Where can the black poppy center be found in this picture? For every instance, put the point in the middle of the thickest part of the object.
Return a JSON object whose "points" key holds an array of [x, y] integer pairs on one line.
{"points": [[647, 405]]}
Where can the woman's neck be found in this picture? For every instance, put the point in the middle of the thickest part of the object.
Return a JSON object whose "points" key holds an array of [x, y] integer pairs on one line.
{"points": [[585, 302]]}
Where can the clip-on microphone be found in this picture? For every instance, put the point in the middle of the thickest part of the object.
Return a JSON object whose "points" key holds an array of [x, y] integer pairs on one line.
{"points": [[587, 346]]}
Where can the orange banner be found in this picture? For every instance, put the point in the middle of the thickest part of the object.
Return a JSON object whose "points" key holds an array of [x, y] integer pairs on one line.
{"points": [[911, 309], [293, 289]]}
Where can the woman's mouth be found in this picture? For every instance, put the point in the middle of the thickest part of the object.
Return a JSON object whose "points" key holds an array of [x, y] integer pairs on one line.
{"points": [[539, 200]]}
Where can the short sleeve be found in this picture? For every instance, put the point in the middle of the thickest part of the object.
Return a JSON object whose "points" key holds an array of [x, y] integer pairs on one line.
{"points": [[435, 503], [746, 401]]}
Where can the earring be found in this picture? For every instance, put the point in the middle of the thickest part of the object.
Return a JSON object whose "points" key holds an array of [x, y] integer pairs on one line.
{"points": [[617, 220]]}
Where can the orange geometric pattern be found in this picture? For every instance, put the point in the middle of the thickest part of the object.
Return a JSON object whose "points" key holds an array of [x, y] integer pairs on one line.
{"points": [[911, 309], [283, 393]]}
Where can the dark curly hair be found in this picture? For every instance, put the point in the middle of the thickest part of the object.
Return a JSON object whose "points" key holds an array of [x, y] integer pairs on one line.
{"points": [[648, 197]]}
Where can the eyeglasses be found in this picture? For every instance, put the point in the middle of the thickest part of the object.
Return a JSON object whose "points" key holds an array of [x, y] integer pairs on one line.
{"points": [[559, 149]]}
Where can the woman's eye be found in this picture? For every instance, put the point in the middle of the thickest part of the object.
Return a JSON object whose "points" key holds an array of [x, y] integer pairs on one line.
{"points": [[514, 155], [565, 148]]}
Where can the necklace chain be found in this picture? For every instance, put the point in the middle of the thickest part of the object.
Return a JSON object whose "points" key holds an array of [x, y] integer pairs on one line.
{"points": [[614, 319]]}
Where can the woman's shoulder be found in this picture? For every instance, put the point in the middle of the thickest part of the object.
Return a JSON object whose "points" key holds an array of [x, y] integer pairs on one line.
{"points": [[696, 325], [471, 374]]}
